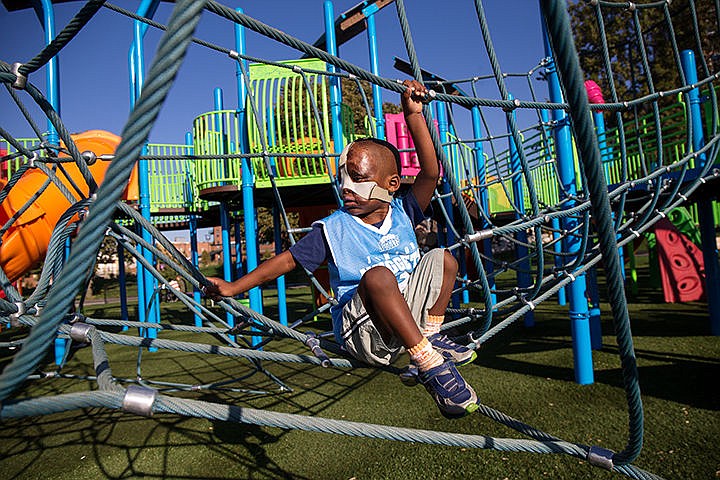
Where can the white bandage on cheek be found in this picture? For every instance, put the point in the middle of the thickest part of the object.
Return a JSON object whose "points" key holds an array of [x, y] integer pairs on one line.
{"points": [[367, 190]]}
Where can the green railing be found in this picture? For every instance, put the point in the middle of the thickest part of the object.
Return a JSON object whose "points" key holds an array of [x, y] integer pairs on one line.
{"points": [[539, 150], [641, 146], [9, 167], [641, 153], [172, 181], [280, 120]]}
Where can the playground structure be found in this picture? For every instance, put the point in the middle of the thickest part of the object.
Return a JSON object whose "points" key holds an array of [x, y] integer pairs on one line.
{"points": [[536, 186]]}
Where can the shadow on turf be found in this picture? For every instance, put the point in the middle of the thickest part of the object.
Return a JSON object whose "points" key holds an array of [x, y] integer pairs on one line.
{"points": [[94, 432], [682, 378]]}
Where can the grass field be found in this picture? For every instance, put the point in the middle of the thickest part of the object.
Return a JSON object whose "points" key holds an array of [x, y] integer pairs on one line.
{"points": [[526, 373]]}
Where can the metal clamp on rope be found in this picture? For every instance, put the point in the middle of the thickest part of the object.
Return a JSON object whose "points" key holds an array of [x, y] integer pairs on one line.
{"points": [[600, 457], [527, 302], [233, 54], [15, 317], [478, 236], [80, 332], [511, 108], [20, 80], [314, 344], [476, 341], [139, 400], [31, 161], [89, 157], [429, 97]]}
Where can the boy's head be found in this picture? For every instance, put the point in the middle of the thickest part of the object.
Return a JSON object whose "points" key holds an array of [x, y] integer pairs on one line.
{"points": [[369, 174]]}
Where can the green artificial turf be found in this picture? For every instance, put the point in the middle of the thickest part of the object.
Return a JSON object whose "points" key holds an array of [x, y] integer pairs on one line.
{"points": [[526, 373]]}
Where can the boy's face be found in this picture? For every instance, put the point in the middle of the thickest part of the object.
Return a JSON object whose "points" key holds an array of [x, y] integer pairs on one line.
{"points": [[367, 162]]}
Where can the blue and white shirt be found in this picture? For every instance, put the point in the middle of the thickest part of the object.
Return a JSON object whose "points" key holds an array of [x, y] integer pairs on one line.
{"points": [[355, 247]]}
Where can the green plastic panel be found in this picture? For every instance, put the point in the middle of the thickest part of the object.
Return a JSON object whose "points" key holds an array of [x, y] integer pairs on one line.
{"points": [[172, 181], [8, 167], [281, 120]]}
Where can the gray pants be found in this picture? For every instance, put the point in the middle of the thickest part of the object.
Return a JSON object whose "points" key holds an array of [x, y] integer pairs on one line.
{"points": [[363, 340]]}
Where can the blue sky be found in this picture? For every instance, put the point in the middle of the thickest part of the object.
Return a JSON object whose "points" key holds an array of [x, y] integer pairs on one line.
{"points": [[94, 88], [94, 91]]}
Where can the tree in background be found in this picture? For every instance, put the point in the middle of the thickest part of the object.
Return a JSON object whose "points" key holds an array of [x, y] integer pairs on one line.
{"points": [[108, 252], [631, 79], [356, 109]]}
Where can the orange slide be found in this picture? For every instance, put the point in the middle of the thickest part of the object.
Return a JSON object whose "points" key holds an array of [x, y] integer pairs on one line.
{"points": [[25, 244]]}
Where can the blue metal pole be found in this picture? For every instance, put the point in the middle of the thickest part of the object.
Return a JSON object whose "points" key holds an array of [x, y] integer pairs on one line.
{"points": [[122, 284], [52, 79], [521, 251], [61, 343], [594, 295], [149, 311], [280, 281], [225, 241], [238, 247], [369, 13], [484, 199], [224, 213], [247, 181], [441, 231], [52, 76], [241, 88], [335, 92], [443, 128], [555, 222], [281, 293], [579, 311], [192, 226], [704, 205]]}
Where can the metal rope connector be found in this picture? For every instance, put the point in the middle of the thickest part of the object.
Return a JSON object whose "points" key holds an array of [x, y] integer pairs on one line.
{"points": [[600, 457], [20, 80], [314, 344], [80, 332], [515, 104], [31, 161], [478, 236], [429, 97], [476, 341], [139, 400], [15, 317], [89, 157]]}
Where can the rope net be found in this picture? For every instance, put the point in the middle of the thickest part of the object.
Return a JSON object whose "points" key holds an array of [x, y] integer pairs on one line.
{"points": [[523, 226]]}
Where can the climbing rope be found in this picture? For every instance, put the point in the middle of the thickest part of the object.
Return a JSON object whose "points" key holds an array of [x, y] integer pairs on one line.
{"points": [[594, 219]]}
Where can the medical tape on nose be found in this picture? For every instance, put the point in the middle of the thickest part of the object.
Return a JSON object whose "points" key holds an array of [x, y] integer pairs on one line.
{"points": [[367, 190]]}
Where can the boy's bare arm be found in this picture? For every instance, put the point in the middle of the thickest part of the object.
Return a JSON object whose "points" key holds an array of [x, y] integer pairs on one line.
{"points": [[265, 272], [427, 177]]}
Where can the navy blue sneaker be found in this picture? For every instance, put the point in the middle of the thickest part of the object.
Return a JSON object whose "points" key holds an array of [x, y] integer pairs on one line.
{"points": [[409, 376], [459, 354], [453, 396]]}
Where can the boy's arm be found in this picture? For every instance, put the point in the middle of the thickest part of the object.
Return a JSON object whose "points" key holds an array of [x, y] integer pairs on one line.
{"points": [[427, 177], [265, 272]]}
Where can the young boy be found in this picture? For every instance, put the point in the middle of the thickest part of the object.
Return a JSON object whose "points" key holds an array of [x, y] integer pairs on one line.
{"points": [[388, 297]]}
